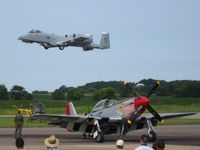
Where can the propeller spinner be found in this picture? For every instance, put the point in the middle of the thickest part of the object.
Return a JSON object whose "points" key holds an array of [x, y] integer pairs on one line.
{"points": [[150, 109]]}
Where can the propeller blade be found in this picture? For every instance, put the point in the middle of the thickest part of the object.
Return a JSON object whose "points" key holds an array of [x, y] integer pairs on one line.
{"points": [[153, 112], [153, 89], [131, 88]]}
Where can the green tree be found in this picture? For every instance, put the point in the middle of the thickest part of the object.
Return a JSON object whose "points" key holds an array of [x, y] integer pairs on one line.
{"points": [[75, 94], [17, 92], [28, 96], [105, 93], [3, 92], [58, 95], [189, 90]]}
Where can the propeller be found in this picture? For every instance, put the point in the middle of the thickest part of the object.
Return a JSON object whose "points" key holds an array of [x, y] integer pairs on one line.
{"points": [[153, 112], [150, 109], [153, 89], [131, 88]]}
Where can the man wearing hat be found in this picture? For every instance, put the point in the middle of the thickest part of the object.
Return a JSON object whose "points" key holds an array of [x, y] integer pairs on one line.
{"points": [[51, 143], [119, 144], [143, 141]]}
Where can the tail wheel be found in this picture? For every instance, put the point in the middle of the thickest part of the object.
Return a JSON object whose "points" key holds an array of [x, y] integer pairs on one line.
{"points": [[100, 137], [84, 136], [152, 136]]}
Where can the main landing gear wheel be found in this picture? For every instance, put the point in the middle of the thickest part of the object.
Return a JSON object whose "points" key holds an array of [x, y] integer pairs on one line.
{"points": [[45, 47], [152, 136], [61, 47], [100, 137]]}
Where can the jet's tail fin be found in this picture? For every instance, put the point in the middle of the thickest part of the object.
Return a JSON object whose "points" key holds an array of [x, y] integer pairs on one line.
{"points": [[70, 109], [105, 41]]}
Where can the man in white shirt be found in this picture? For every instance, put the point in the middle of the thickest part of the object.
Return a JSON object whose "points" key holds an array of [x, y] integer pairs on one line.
{"points": [[143, 143]]}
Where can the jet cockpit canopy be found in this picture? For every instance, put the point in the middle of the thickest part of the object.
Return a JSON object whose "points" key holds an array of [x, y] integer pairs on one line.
{"points": [[35, 31]]}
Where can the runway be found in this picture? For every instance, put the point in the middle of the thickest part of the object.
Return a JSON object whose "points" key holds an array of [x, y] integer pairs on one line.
{"points": [[176, 137]]}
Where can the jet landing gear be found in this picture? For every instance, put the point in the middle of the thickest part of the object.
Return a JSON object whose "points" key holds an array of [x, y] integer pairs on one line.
{"points": [[98, 134], [61, 47], [151, 131]]}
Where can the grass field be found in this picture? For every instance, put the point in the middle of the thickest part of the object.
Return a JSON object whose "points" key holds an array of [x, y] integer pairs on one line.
{"points": [[165, 104], [9, 122], [161, 104]]}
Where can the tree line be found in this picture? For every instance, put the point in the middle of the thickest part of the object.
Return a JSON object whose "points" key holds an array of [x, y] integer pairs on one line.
{"points": [[110, 89], [16, 93]]}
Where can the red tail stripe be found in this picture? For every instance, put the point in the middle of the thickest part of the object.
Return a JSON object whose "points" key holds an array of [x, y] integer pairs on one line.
{"points": [[68, 109]]}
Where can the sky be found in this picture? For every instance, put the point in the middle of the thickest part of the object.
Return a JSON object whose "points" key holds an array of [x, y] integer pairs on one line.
{"points": [[149, 39]]}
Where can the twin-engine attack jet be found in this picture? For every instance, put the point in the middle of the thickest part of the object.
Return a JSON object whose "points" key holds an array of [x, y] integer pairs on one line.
{"points": [[48, 40], [111, 116]]}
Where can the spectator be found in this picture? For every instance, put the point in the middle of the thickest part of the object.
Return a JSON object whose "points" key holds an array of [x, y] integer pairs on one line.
{"points": [[160, 145], [143, 141], [19, 143], [154, 146], [19, 123], [51, 143], [120, 144]]}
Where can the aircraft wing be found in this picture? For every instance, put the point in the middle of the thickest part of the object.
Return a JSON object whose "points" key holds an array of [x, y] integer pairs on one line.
{"points": [[175, 115], [80, 39], [73, 117], [169, 115], [57, 116], [141, 122]]}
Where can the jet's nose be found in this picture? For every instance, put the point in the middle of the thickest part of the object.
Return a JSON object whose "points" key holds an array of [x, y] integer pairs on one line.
{"points": [[20, 38]]}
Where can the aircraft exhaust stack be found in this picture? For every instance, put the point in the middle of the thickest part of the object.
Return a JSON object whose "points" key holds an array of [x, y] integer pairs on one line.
{"points": [[105, 41], [70, 109]]}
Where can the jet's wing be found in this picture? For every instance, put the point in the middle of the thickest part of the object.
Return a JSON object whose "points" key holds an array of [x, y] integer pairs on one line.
{"points": [[80, 40]]}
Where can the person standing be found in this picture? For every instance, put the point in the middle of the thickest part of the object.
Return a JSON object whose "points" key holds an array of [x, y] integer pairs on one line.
{"points": [[19, 123], [143, 143]]}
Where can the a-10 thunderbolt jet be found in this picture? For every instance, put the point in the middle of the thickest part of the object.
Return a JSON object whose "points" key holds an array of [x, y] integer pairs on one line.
{"points": [[48, 40], [111, 116]]}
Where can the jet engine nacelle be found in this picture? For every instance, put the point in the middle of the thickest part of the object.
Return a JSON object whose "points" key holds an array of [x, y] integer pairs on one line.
{"points": [[88, 48]]}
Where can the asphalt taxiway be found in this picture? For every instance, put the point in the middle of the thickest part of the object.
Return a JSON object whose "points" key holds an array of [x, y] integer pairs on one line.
{"points": [[184, 137]]}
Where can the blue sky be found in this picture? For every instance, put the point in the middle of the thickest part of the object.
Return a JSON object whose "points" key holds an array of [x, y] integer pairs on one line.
{"points": [[149, 39]]}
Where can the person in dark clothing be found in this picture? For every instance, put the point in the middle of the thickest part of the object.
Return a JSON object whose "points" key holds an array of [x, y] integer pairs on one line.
{"points": [[19, 123], [19, 144], [160, 145]]}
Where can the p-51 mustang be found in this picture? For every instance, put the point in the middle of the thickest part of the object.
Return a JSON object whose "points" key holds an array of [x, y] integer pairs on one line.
{"points": [[48, 40], [111, 116]]}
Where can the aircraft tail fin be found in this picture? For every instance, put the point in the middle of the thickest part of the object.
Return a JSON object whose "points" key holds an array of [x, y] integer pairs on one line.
{"points": [[105, 41], [70, 109]]}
